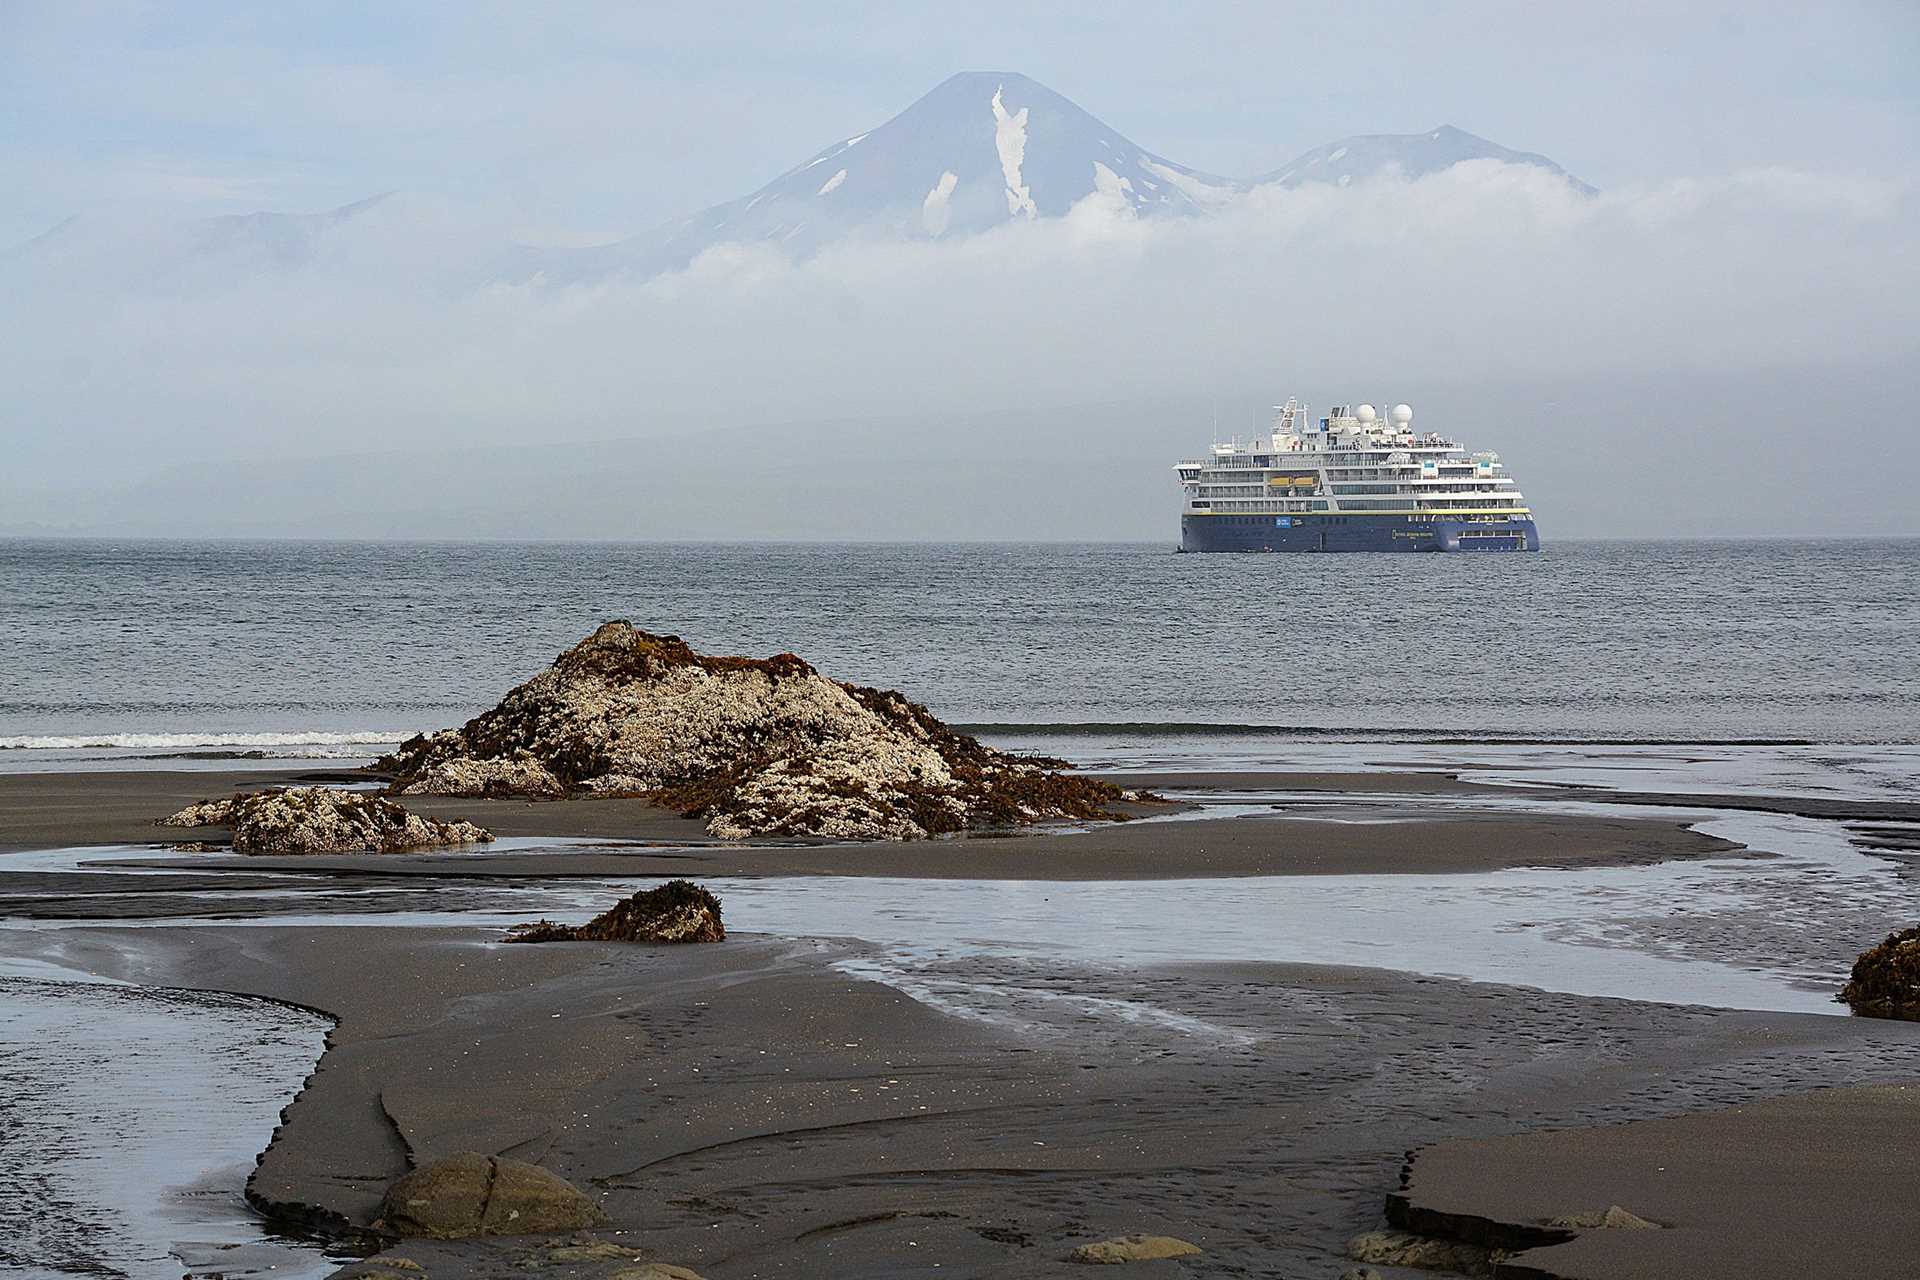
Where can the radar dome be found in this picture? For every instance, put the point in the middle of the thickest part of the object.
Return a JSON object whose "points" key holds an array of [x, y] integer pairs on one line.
{"points": [[1402, 415], [1366, 413]]}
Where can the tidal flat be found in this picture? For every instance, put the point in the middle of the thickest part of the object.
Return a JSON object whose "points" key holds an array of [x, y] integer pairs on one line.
{"points": [[1230, 1024]]}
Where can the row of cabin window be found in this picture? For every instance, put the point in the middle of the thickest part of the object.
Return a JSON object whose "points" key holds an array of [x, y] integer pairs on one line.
{"points": [[1317, 520]]}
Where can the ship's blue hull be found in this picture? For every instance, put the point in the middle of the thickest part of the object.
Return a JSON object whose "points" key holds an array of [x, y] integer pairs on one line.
{"points": [[1352, 533]]}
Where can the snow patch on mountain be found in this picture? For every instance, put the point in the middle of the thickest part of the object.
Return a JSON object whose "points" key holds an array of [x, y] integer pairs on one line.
{"points": [[1010, 141], [827, 187], [1204, 192], [936, 211], [1111, 186]]}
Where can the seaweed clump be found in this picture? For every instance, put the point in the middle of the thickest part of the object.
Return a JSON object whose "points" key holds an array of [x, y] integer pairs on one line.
{"points": [[302, 820], [1886, 979], [678, 911], [755, 746]]}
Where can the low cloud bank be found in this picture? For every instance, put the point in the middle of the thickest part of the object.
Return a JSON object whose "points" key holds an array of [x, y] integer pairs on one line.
{"points": [[394, 330]]}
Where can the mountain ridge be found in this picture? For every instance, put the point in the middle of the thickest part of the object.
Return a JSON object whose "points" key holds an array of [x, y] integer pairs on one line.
{"points": [[979, 150]]}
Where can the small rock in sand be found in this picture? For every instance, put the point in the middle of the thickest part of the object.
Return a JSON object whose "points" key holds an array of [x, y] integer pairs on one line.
{"points": [[1429, 1253], [304, 820], [475, 1195], [1613, 1218], [384, 1269], [1133, 1249], [1360, 1273], [678, 911], [591, 1251]]}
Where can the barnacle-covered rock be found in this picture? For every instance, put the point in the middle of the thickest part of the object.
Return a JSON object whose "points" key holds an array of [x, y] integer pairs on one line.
{"points": [[756, 746], [324, 820], [516, 775], [206, 813]]}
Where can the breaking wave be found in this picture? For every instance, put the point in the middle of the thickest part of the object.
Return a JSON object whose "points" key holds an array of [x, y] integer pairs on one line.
{"points": [[189, 741], [1358, 733]]}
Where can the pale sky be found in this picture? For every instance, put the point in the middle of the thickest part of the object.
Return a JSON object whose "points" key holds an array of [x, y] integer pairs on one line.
{"points": [[611, 118]]}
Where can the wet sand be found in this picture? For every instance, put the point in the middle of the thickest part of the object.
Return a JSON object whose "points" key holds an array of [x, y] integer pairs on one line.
{"points": [[46, 810], [748, 1110], [1829, 1172], [1397, 835]]}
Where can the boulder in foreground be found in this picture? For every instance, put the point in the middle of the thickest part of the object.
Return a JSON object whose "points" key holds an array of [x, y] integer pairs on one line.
{"points": [[1886, 979], [324, 820], [678, 911], [1134, 1249], [476, 1195], [756, 746]]}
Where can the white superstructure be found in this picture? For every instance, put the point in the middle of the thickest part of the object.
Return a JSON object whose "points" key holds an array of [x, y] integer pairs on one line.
{"points": [[1353, 460]]}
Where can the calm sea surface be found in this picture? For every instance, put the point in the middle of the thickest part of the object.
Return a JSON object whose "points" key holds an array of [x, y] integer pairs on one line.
{"points": [[174, 645]]}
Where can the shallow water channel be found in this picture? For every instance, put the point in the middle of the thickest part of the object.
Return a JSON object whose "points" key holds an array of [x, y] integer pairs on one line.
{"points": [[130, 1118]]}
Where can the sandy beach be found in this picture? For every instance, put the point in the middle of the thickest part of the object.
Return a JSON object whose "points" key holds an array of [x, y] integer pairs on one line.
{"points": [[764, 1107], [63, 809]]}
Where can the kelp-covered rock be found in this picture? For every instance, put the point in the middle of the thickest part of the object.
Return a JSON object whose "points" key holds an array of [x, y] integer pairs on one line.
{"points": [[678, 911], [1886, 979], [756, 746], [324, 820]]}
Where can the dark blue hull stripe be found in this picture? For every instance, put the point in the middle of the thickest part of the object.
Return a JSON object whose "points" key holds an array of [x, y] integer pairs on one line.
{"points": [[1353, 533]]}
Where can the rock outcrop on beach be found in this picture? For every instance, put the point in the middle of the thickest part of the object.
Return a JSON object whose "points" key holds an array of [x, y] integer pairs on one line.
{"points": [[678, 911], [478, 1195], [1885, 982], [756, 746], [303, 820]]}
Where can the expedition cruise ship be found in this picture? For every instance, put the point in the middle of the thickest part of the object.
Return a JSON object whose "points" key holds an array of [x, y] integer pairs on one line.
{"points": [[1351, 481]]}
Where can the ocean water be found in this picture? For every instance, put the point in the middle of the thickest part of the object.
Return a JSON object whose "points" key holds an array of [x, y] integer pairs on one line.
{"points": [[157, 647]]}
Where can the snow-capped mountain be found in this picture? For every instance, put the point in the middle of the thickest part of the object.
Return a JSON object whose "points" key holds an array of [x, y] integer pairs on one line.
{"points": [[1412, 155], [983, 148]]}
